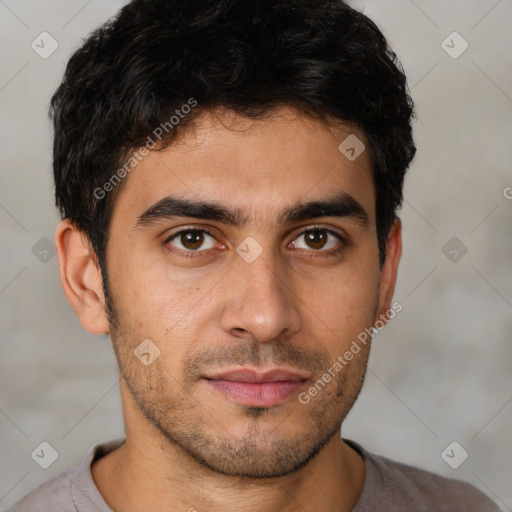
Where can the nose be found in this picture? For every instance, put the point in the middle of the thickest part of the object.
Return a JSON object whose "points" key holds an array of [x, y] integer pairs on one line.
{"points": [[261, 300]]}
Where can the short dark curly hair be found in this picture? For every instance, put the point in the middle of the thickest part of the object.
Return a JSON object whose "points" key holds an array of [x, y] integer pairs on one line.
{"points": [[323, 57]]}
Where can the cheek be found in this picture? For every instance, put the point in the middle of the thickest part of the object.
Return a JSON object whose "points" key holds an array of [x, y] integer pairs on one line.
{"points": [[153, 309], [164, 304], [345, 305], [161, 301]]}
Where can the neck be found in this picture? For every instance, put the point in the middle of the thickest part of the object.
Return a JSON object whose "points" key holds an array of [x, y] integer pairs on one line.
{"points": [[146, 475], [148, 472]]}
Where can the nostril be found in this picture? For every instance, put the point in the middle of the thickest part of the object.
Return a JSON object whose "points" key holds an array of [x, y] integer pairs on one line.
{"points": [[238, 331]]}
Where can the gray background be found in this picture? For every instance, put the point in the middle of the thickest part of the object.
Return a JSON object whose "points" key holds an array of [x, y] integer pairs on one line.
{"points": [[440, 372]]}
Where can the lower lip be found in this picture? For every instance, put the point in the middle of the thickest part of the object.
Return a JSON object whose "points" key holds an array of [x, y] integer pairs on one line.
{"points": [[257, 394]]}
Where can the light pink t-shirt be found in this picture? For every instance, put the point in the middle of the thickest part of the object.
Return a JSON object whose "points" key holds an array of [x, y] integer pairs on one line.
{"points": [[389, 487]]}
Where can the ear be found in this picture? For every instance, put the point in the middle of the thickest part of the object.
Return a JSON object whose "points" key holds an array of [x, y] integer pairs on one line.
{"points": [[389, 271], [80, 276]]}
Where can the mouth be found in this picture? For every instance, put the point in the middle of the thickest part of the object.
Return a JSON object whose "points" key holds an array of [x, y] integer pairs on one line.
{"points": [[257, 388]]}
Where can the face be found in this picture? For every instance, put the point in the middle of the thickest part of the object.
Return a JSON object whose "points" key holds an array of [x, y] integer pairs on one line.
{"points": [[247, 297]]}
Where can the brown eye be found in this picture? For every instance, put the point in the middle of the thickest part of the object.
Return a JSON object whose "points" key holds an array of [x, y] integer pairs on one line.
{"points": [[319, 239], [191, 240], [316, 239]]}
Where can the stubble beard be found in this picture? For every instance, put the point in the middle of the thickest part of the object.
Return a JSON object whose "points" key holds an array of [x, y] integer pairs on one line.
{"points": [[182, 422]]}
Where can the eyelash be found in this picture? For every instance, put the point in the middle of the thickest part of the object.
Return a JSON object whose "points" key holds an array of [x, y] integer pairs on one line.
{"points": [[311, 254]]}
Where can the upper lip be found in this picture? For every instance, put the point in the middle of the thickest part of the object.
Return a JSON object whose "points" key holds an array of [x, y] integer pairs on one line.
{"points": [[250, 375]]}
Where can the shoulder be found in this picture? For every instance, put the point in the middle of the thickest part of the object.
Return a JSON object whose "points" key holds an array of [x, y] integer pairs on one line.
{"points": [[72, 490], [402, 487], [430, 490], [55, 495]]}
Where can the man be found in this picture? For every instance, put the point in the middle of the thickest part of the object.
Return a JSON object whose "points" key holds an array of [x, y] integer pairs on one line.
{"points": [[228, 174]]}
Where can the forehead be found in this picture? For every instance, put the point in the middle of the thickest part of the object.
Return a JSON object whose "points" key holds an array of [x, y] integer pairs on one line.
{"points": [[257, 166]]}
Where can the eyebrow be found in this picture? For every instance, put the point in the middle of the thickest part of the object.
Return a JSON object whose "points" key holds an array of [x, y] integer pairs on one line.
{"points": [[342, 205]]}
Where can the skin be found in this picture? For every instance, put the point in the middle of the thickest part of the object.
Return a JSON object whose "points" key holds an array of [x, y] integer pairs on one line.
{"points": [[188, 446]]}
